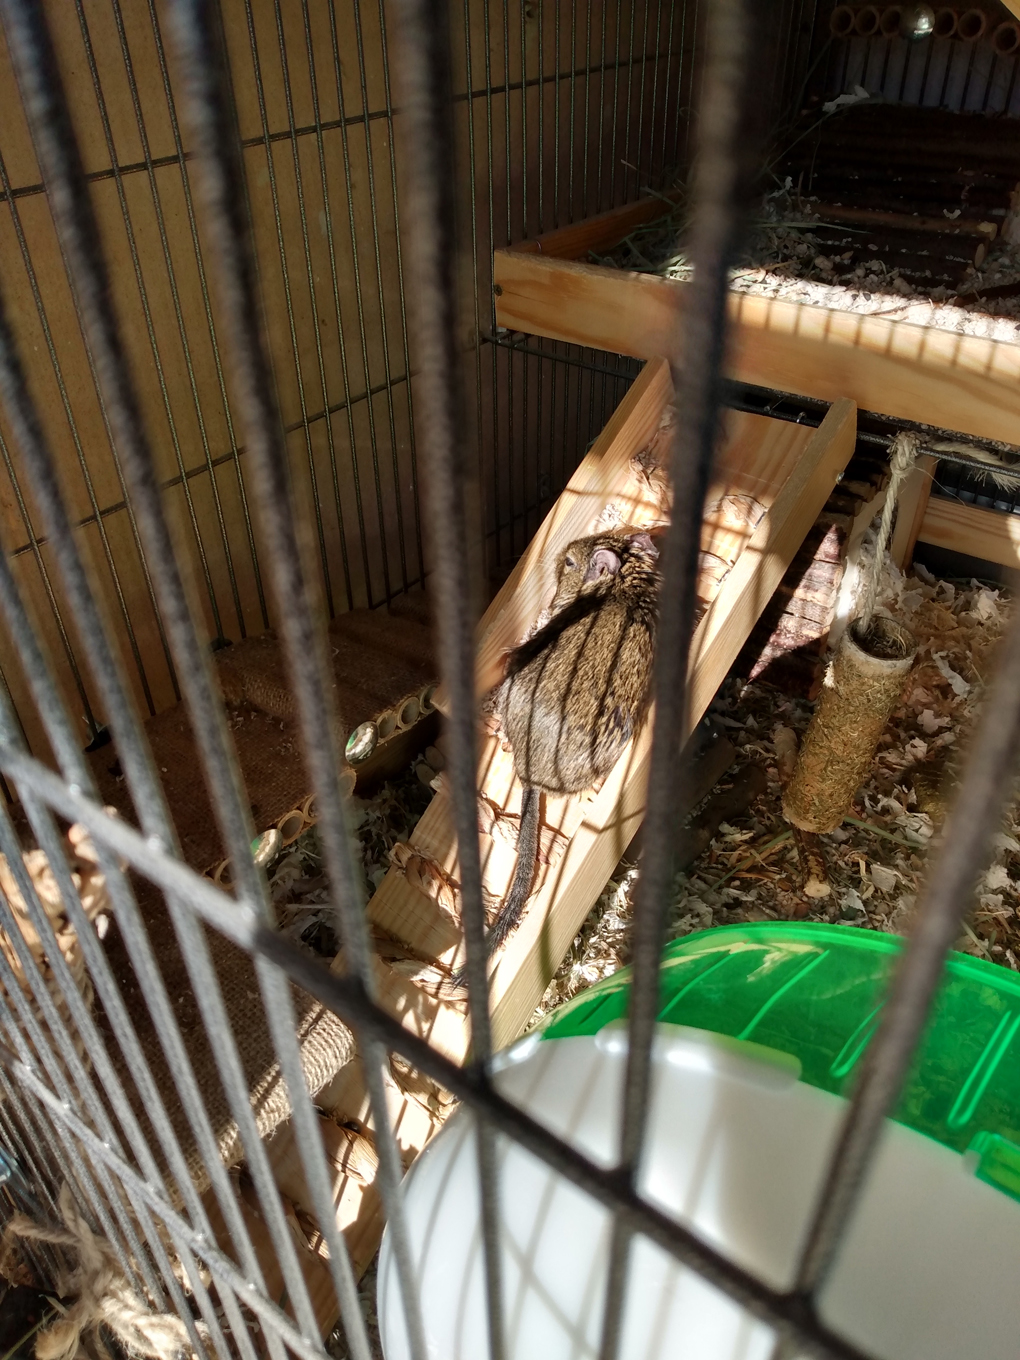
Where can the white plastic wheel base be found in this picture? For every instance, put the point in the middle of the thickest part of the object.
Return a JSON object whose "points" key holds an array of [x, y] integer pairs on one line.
{"points": [[736, 1150]]}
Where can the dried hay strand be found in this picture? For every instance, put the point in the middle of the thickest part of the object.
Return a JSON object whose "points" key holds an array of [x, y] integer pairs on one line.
{"points": [[96, 1294]]}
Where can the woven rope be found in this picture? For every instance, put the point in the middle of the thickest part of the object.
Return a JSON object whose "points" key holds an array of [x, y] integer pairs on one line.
{"points": [[96, 1293], [902, 455]]}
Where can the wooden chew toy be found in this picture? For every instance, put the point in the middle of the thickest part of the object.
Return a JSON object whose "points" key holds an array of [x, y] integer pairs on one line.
{"points": [[771, 481]]}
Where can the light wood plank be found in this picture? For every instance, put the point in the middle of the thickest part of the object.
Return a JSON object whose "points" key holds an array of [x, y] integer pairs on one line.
{"points": [[618, 809], [351, 1163], [788, 471], [600, 232], [315, 1270], [911, 509], [990, 535], [959, 382], [629, 430]]}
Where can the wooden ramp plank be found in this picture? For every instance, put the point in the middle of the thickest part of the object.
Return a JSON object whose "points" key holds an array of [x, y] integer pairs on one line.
{"points": [[784, 473], [959, 382], [784, 470]]}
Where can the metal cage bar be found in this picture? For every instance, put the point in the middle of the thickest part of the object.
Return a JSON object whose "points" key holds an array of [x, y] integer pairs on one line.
{"points": [[84, 1116]]}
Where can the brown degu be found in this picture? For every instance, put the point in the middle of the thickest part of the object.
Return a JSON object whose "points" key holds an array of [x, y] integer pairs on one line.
{"points": [[577, 691]]}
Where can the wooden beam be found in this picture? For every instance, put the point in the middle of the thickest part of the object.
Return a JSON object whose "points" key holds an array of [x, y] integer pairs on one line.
{"points": [[313, 1268], [601, 232], [910, 511], [351, 1163], [991, 535], [959, 382]]}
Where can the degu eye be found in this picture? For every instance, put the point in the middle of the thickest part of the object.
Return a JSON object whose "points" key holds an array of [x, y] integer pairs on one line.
{"points": [[570, 562]]}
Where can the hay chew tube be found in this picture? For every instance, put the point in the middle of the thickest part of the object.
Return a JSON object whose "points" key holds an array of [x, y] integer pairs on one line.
{"points": [[860, 691]]}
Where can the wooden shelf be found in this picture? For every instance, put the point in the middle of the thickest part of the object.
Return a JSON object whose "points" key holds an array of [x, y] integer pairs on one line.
{"points": [[991, 535], [896, 368]]}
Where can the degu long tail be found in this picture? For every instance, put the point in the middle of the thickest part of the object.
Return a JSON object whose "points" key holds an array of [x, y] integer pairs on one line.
{"points": [[524, 873]]}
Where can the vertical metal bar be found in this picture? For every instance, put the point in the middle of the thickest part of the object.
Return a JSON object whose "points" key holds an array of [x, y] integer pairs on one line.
{"points": [[454, 534], [984, 789], [490, 177], [381, 294], [642, 165], [604, 111], [401, 294], [136, 264], [67, 1156], [76, 771], [525, 443], [203, 281], [356, 276], [27, 1035], [655, 90], [951, 49], [473, 192], [71, 1065], [676, 101], [524, 124], [557, 210], [174, 292], [44, 576], [200, 63], [312, 291], [571, 157], [281, 245], [585, 209], [337, 312], [29, 1137], [696, 367], [33, 282], [541, 119], [511, 517], [688, 109], [629, 164], [615, 111], [542, 444], [1010, 88]]}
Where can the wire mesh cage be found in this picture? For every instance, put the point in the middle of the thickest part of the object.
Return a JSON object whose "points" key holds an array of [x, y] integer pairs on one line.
{"points": [[250, 376]]}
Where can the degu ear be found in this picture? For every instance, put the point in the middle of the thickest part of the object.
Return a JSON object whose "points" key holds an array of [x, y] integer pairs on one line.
{"points": [[644, 543], [604, 562]]}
